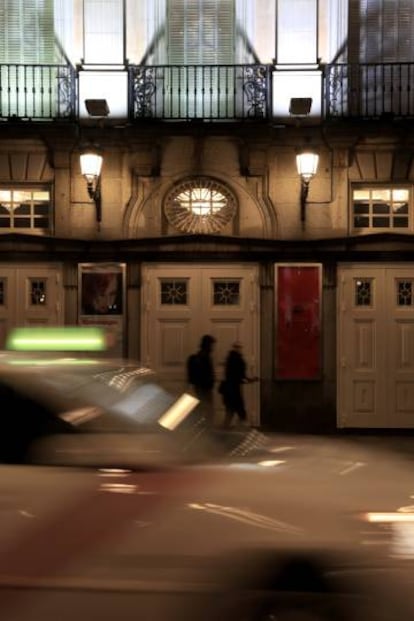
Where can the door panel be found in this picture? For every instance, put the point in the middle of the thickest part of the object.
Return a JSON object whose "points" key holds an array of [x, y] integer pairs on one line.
{"points": [[181, 303], [29, 296], [8, 300], [400, 295], [376, 347]]}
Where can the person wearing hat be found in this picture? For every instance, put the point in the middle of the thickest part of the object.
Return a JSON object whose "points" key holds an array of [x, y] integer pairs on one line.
{"points": [[201, 376]]}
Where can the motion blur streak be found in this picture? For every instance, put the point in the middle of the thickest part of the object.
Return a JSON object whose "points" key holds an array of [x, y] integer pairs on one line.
{"points": [[178, 411], [248, 517], [389, 517], [352, 468]]}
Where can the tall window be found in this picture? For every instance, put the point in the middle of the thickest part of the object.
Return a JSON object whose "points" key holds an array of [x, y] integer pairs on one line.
{"points": [[381, 30], [200, 32], [27, 31], [297, 31], [103, 31]]}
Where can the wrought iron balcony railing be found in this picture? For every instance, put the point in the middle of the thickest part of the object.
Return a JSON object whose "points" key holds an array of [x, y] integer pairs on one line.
{"points": [[37, 92], [207, 92], [369, 90]]}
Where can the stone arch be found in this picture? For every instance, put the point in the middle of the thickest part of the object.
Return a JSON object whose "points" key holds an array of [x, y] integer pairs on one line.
{"points": [[256, 216]]}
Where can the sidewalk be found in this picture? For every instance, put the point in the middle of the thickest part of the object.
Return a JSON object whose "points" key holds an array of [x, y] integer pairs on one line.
{"points": [[395, 440]]}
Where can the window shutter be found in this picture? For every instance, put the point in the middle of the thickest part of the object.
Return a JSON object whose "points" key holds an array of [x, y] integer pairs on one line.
{"points": [[200, 32], [381, 30], [28, 31]]}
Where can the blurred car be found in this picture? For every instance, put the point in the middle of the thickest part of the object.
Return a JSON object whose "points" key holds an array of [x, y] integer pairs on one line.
{"points": [[118, 502]]}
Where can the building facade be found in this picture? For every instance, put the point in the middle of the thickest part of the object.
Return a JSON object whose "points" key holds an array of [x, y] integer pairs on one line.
{"points": [[198, 221]]}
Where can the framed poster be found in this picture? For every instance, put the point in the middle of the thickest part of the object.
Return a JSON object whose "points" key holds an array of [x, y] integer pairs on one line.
{"points": [[101, 295], [298, 321]]}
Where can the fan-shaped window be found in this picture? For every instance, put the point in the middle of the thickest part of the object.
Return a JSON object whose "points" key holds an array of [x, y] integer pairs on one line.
{"points": [[200, 205]]}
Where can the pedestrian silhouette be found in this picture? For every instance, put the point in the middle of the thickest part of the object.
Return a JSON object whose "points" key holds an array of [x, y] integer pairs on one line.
{"points": [[201, 376], [231, 388]]}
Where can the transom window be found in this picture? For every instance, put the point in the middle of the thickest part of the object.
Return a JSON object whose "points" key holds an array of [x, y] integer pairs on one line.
{"points": [[27, 209], [381, 208], [200, 205]]}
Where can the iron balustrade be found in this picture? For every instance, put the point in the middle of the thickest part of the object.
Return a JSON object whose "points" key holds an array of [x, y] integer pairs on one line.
{"points": [[37, 92], [369, 90], [207, 92]]}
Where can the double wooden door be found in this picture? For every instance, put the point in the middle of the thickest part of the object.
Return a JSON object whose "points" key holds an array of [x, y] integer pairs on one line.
{"points": [[376, 346], [182, 302], [30, 295]]}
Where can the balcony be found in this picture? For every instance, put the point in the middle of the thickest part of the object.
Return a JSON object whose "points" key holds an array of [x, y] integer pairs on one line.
{"points": [[37, 92], [206, 92], [369, 90], [209, 92]]}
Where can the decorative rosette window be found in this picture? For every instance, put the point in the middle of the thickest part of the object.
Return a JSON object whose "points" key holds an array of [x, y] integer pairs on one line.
{"points": [[199, 205]]}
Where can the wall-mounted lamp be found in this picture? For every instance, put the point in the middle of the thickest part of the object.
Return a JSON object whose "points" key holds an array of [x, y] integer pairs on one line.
{"points": [[91, 164], [307, 165]]}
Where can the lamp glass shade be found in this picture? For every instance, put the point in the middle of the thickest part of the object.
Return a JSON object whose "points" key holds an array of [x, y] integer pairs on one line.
{"points": [[307, 164], [91, 164]]}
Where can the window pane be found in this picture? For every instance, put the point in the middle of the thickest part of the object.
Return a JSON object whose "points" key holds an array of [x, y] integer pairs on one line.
{"points": [[361, 195], [379, 194], [380, 208], [400, 195], [404, 292], [378, 222], [400, 222], [20, 196], [174, 292], [226, 293], [41, 209], [37, 292], [22, 210], [40, 195], [363, 292], [22, 223], [361, 208], [361, 222], [41, 223], [400, 208]]}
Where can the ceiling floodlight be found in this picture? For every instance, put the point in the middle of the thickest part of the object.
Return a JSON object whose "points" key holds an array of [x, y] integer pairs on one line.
{"points": [[300, 106], [97, 107]]}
